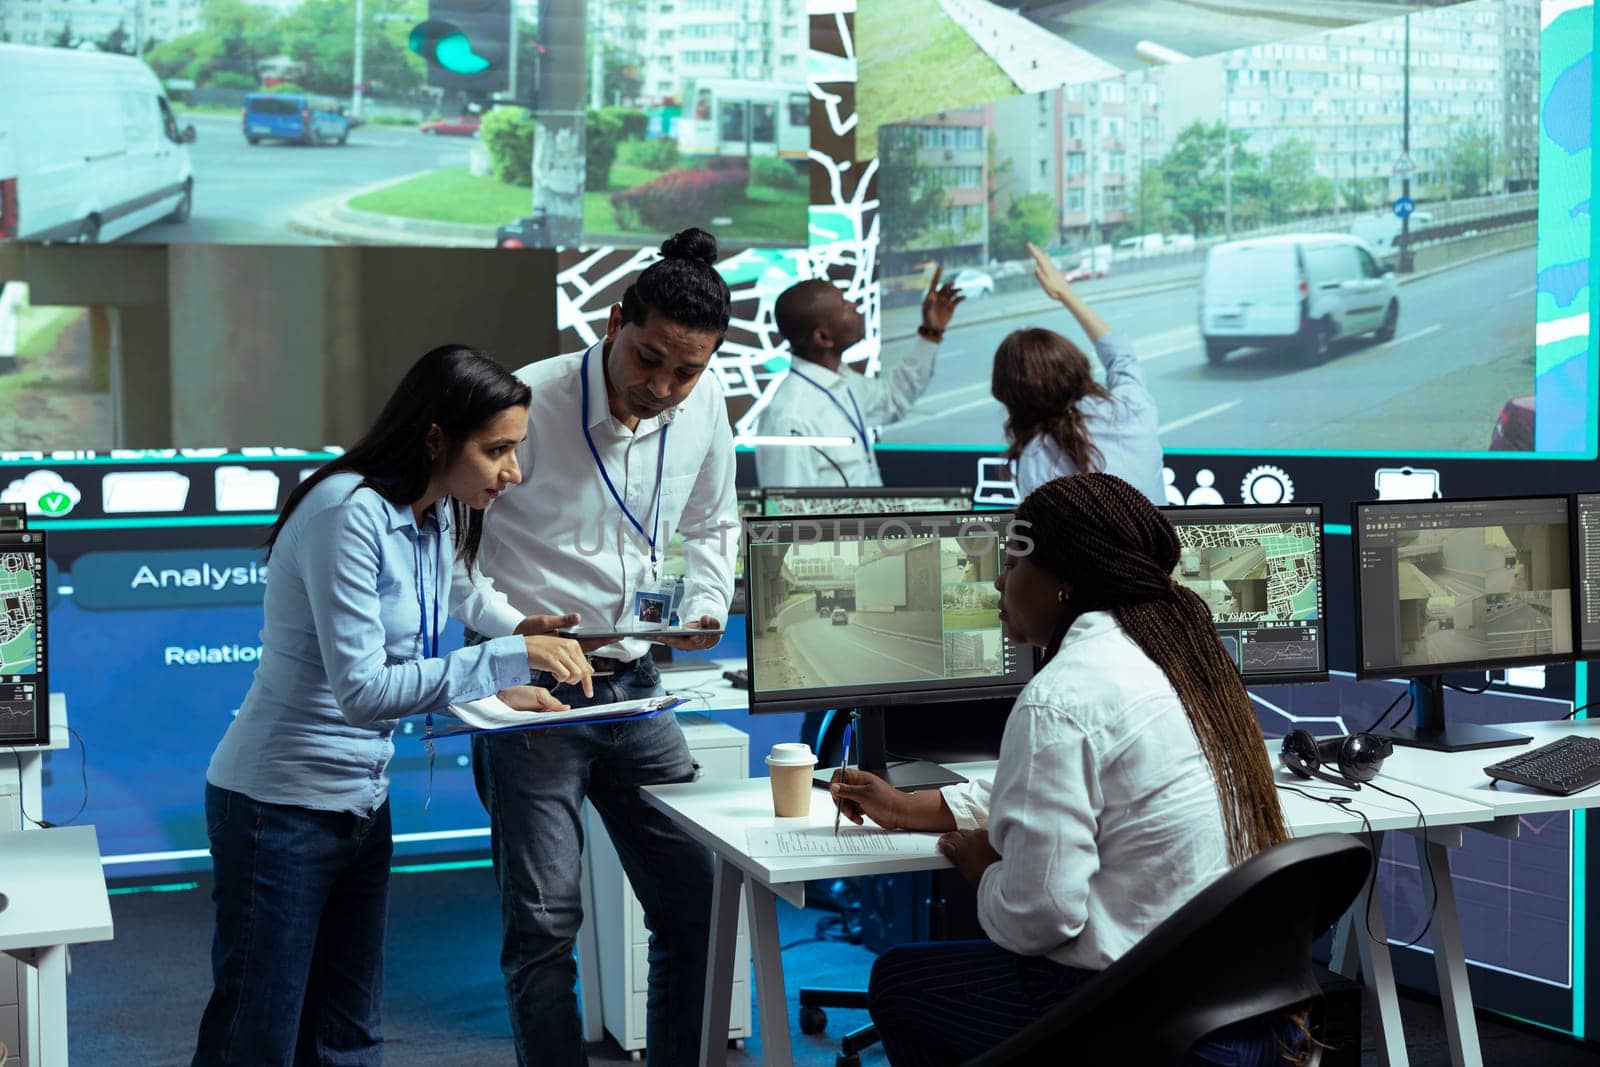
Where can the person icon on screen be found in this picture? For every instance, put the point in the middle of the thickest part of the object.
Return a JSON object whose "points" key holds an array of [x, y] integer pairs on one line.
{"points": [[1205, 491], [1174, 494]]}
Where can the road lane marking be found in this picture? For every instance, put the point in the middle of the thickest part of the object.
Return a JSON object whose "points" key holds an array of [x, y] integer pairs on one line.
{"points": [[1435, 328], [1189, 337], [912, 420], [1178, 424], [897, 659]]}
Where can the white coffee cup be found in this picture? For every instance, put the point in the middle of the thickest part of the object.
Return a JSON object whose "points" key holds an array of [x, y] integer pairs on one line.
{"points": [[790, 764]]}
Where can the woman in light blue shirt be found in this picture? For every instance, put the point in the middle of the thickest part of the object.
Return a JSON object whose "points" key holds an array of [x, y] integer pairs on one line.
{"points": [[297, 810], [1059, 420]]}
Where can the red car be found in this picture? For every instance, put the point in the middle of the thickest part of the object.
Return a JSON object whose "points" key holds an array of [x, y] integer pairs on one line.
{"points": [[465, 126], [1513, 430]]}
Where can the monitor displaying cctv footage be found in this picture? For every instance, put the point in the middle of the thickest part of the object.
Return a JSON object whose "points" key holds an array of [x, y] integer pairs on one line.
{"points": [[880, 610], [1284, 233]]}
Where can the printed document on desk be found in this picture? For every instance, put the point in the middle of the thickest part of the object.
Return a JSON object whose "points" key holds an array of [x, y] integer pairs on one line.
{"points": [[491, 713], [764, 843]]}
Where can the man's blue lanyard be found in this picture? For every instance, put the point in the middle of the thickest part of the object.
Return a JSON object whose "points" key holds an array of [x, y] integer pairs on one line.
{"points": [[430, 640], [661, 463], [858, 424]]}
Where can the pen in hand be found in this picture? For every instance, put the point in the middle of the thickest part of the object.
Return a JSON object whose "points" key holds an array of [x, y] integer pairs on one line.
{"points": [[844, 761]]}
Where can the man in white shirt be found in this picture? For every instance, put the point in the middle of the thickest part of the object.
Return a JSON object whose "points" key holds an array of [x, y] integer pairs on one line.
{"points": [[627, 442], [822, 397]]}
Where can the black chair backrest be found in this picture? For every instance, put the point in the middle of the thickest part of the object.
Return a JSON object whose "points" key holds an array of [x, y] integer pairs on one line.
{"points": [[1241, 948]]}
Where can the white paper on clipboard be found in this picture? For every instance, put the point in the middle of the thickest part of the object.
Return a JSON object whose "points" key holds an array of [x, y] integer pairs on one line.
{"points": [[492, 713]]}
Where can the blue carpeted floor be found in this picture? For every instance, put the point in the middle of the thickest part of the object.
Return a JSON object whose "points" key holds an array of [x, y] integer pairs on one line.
{"points": [[135, 1001]]}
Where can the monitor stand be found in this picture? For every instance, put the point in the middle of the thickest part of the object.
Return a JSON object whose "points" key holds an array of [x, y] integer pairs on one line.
{"points": [[869, 753], [1430, 731]]}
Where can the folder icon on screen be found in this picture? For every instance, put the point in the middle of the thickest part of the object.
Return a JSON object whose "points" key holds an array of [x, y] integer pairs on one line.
{"points": [[243, 489], [130, 491]]}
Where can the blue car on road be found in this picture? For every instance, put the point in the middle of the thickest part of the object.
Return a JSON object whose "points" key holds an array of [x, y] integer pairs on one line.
{"points": [[293, 117]]}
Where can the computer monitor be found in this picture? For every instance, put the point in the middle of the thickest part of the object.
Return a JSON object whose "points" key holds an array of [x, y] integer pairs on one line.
{"points": [[1460, 585], [673, 563], [24, 679], [868, 612], [1588, 531], [1259, 570], [875, 500]]}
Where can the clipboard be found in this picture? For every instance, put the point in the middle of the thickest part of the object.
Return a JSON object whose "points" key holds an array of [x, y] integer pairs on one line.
{"points": [[483, 718]]}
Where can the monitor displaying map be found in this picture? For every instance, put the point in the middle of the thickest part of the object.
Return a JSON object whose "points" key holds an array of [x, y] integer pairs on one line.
{"points": [[24, 693], [1259, 570]]}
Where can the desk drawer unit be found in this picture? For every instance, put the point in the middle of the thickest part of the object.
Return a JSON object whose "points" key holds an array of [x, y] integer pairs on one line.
{"points": [[722, 752], [11, 973]]}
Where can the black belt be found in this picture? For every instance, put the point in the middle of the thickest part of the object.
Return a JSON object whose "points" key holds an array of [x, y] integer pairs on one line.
{"points": [[607, 665]]}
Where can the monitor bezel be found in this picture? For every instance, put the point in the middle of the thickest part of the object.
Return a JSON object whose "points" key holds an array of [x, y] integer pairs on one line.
{"points": [[1426, 670], [34, 542], [1298, 677], [771, 494], [850, 696], [1578, 568]]}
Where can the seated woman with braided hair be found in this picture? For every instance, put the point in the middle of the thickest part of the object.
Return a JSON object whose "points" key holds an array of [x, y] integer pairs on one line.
{"points": [[1131, 774]]}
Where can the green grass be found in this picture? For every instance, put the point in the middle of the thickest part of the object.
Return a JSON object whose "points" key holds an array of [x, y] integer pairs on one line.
{"points": [[770, 215], [914, 61], [33, 372], [450, 196], [970, 619]]}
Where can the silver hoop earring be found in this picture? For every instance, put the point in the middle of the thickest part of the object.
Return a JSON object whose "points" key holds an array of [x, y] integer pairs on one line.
{"points": [[1061, 596]]}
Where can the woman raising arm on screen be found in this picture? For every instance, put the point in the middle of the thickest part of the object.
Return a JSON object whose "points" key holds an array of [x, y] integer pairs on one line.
{"points": [[297, 792], [1059, 420], [1131, 774]]}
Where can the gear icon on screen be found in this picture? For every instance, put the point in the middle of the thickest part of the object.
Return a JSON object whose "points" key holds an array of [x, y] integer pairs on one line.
{"points": [[1267, 484]]}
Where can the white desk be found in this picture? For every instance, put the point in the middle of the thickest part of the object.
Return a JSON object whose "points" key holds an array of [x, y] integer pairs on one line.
{"points": [[22, 800], [707, 689], [718, 814], [1461, 774], [57, 893], [1446, 813]]}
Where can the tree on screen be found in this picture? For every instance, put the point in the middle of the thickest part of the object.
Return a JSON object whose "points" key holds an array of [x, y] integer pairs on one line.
{"points": [[911, 193], [1027, 218], [1473, 154]]}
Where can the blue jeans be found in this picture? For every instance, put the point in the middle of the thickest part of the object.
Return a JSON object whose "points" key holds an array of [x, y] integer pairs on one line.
{"points": [[533, 784], [947, 1002], [302, 897]]}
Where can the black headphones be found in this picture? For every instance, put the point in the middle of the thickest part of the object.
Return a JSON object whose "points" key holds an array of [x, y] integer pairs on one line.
{"points": [[1358, 757]]}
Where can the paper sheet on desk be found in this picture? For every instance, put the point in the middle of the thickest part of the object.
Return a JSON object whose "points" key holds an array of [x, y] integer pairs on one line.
{"points": [[852, 841], [492, 713]]}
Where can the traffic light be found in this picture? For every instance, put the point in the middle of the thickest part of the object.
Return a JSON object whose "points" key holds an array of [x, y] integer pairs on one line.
{"points": [[467, 44]]}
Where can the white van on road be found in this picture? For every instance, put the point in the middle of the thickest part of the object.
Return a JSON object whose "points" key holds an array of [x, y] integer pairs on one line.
{"points": [[89, 147], [1298, 290]]}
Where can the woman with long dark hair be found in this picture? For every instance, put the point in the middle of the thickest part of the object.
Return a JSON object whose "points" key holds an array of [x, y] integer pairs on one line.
{"points": [[1059, 420], [297, 810], [1131, 774]]}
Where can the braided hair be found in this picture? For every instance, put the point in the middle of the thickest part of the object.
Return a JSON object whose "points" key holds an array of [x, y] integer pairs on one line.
{"points": [[1116, 553]]}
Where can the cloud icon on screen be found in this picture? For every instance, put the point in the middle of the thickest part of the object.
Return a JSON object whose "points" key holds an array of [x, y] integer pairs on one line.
{"points": [[43, 493]]}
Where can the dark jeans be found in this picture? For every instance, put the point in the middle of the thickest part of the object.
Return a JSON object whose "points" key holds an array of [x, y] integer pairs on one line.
{"points": [[945, 1003], [297, 958], [533, 784]]}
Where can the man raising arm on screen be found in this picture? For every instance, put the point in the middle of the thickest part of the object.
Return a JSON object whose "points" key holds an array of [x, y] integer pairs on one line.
{"points": [[627, 441], [822, 397]]}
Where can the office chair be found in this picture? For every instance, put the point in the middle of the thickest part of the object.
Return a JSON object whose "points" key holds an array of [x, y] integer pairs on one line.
{"points": [[948, 733], [1239, 950]]}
